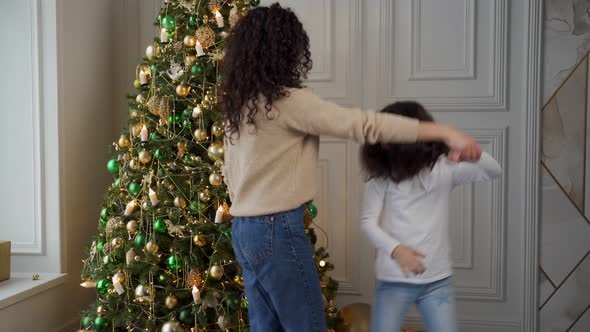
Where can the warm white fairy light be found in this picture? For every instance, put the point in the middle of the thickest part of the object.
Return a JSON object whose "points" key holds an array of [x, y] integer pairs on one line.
{"points": [[199, 49], [219, 19]]}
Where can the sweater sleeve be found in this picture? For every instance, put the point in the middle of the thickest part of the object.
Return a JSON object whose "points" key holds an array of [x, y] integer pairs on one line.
{"points": [[485, 169], [371, 209], [306, 112]]}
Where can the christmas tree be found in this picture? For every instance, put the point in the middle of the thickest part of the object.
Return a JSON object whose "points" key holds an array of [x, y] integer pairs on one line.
{"points": [[163, 257]]}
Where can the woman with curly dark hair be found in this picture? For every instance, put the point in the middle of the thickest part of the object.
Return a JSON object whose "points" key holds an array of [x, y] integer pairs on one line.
{"points": [[405, 214], [271, 154]]}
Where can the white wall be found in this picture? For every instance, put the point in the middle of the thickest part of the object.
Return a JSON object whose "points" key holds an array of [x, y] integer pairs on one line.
{"points": [[76, 52]]}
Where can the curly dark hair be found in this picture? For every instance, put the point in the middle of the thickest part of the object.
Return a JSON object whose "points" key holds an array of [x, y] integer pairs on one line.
{"points": [[399, 162], [266, 53]]}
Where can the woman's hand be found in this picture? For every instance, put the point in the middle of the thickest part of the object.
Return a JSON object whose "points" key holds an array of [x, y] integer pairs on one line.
{"points": [[408, 259], [462, 146]]}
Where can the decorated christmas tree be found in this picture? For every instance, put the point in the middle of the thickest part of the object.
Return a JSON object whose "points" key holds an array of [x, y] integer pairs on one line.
{"points": [[163, 257]]}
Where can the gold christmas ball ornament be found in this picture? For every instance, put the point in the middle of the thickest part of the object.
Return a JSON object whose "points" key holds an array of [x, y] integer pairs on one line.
{"points": [[143, 293], [216, 272], [355, 317], [124, 142], [145, 156], [190, 41], [216, 151], [239, 280], [140, 99], [117, 242], [183, 90], [132, 226], [205, 195], [215, 179], [171, 301], [101, 311], [200, 240], [120, 277], [200, 135], [180, 202], [172, 326], [133, 113], [217, 129], [189, 59], [151, 247]]}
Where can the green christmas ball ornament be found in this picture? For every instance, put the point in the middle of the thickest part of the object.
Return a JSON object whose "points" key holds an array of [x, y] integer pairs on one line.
{"points": [[192, 20], [245, 303], [155, 136], [160, 154], [160, 226], [193, 206], [196, 70], [113, 166], [100, 324], [174, 263], [104, 213], [103, 222], [137, 84], [117, 182], [169, 22], [186, 316], [313, 210], [140, 240], [255, 2], [162, 278], [100, 246], [174, 118], [134, 188], [85, 322], [102, 286], [187, 113], [106, 260]]}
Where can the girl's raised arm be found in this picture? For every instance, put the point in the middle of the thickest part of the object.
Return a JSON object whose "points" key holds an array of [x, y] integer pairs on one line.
{"points": [[485, 169]]}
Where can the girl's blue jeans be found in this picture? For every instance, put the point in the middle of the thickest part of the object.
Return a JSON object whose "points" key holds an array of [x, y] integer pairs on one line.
{"points": [[280, 275], [435, 301]]}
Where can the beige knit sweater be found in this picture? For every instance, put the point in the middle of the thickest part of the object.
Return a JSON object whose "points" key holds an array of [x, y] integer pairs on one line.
{"points": [[271, 167]]}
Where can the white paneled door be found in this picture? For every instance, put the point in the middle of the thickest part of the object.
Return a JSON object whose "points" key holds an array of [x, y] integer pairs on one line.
{"points": [[474, 64]]}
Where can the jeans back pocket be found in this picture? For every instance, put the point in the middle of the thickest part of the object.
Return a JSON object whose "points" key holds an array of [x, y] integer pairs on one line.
{"points": [[255, 238]]}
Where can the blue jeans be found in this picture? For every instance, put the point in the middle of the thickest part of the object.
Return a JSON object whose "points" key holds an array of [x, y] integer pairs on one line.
{"points": [[280, 276], [435, 301]]}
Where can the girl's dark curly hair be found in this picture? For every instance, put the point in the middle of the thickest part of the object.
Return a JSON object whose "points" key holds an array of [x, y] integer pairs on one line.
{"points": [[266, 53], [399, 162]]}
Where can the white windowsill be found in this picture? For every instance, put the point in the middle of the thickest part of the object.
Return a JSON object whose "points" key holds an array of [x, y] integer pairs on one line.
{"points": [[21, 286]]}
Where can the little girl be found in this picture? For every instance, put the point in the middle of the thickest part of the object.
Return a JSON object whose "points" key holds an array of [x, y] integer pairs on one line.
{"points": [[409, 188]]}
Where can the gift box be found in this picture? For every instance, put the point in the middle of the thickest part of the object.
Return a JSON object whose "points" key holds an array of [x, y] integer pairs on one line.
{"points": [[4, 260]]}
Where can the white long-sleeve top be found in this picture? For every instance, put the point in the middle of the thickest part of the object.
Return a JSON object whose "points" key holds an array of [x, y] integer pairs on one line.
{"points": [[415, 212]]}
